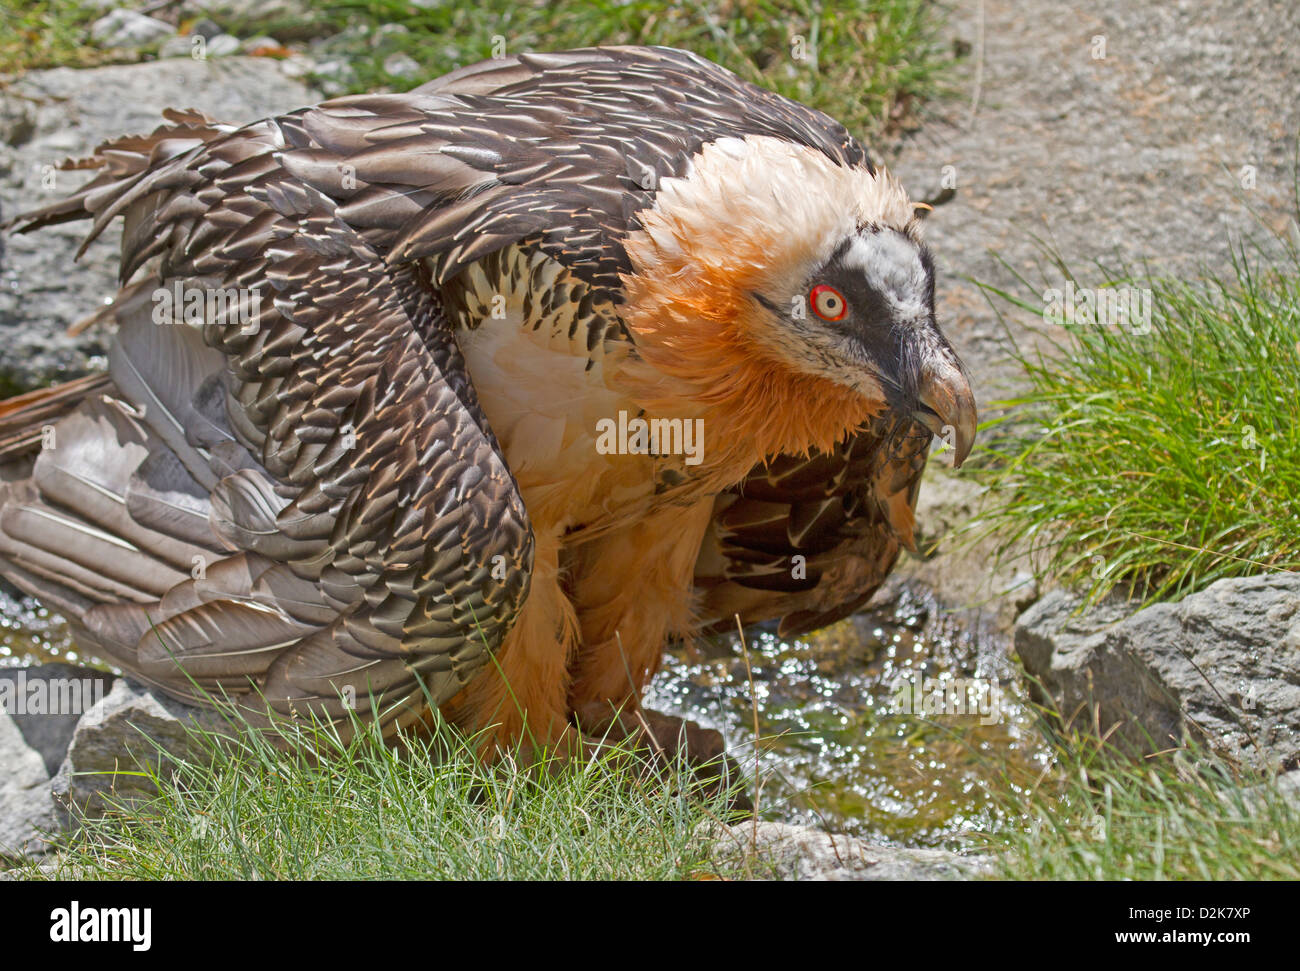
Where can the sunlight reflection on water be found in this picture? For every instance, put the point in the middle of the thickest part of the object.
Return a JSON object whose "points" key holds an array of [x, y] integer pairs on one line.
{"points": [[836, 748]]}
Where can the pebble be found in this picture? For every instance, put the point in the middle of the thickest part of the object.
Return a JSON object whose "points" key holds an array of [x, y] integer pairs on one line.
{"points": [[126, 28]]}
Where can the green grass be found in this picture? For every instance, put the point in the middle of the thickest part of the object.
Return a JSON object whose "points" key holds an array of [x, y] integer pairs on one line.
{"points": [[238, 807], [48, 33], [1186, 815], [1153, 454], [234, 805], [868, 63], [1157, 462]]}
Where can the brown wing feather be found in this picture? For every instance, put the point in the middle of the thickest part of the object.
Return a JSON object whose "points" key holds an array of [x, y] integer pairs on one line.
{"points": [[329, 470], [809, 540], [567, 147]]}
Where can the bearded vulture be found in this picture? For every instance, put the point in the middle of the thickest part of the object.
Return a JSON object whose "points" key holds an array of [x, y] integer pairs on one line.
{"points": [[473, 398]]}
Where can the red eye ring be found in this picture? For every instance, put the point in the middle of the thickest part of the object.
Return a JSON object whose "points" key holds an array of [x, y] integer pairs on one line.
{"points": [[828, 303]]}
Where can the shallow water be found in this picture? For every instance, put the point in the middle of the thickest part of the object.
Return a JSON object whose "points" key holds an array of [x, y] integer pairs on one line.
{"points": [[30, 634], [836, 748], [839, 748]]}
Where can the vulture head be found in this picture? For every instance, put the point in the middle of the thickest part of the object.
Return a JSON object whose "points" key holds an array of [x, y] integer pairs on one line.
{"points": [[796, 292]]}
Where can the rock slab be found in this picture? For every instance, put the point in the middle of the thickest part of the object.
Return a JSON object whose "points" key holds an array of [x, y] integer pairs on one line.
{"points": [[48, 727], [784, 852], [1221, 666], [125, 728], [27, 813]]}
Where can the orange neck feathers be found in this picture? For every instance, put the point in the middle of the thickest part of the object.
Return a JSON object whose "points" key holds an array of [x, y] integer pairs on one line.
{"points": [[695, 360], [752, 215]]}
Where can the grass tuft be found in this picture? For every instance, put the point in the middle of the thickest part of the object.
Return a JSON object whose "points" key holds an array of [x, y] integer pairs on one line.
{"points": [[868, 63], [50, 33], [1097, 814], [238, 806], [1156, 460]]}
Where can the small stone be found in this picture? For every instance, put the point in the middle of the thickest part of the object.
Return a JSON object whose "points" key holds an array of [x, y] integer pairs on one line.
{"points": [[261, 46], [205, 28], [127, 726], [401, 66], [223, 45], [27, 814], [69, 691], [1212, 667], [334, 75], [779, 851], [181, 46], [298, 66], [17, 123], [126, 28], [390, 30]]}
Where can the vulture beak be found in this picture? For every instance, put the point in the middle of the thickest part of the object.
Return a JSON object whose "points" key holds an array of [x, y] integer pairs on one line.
{"points": [[947, 407]]}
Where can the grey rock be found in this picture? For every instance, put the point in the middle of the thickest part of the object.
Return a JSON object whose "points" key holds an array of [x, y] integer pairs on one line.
{"points": [[27, 815], [127, 28], [299, 66], [784, 852], [223, 45], [206, 28], [260, 43], [1285, 787], [100, 753], [1289, 786], [401, 65], [1221, 666], [62, 692], [40, 868], [129, 728], [61, 113], [188, 45], [17, 123]]}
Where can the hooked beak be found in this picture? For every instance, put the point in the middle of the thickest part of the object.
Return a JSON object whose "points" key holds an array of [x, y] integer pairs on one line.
{"points": [[947, 408]]}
